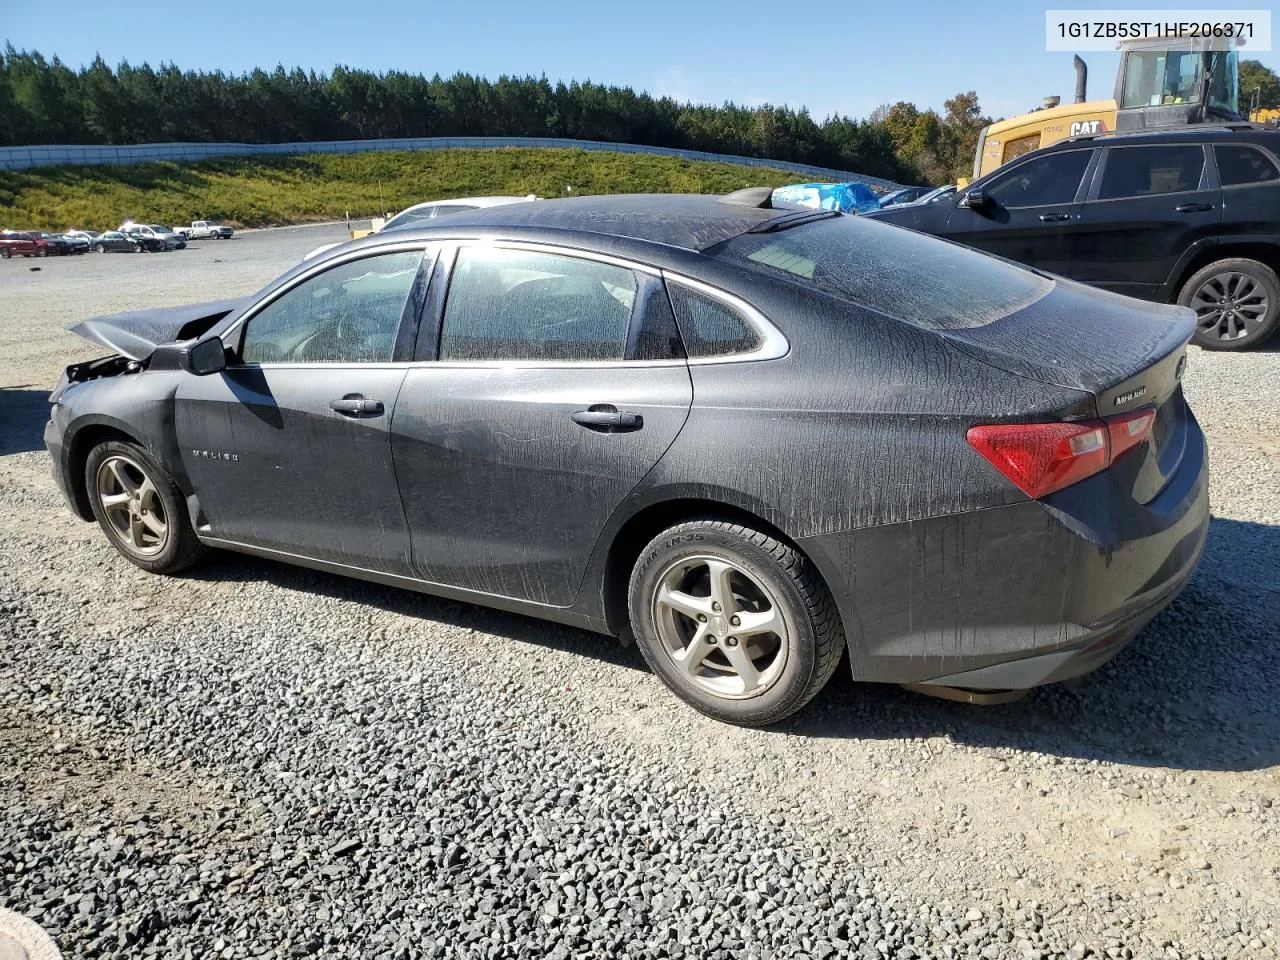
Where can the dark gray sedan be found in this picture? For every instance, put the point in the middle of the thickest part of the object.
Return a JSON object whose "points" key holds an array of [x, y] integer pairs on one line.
{"points": [[751, 438]]}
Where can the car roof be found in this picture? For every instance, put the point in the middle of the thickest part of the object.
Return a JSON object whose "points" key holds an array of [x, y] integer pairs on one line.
{"points": [[1248, 132], [481, 202], [688, 221]]}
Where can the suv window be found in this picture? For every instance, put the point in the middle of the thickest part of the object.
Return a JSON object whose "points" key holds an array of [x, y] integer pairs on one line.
{"points": [[347, 314], [526, 305], [709, 327], [1040, 182], [1151, 171], [1239, 165]]}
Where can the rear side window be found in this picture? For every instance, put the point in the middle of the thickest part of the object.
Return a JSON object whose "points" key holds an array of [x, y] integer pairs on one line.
{"points": [[709, 327], [1151, 171], [903, 274], [1046, 180], [527, 305], [1239, 165]]}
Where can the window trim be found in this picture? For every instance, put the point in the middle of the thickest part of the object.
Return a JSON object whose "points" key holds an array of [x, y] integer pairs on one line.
{"points": [[1205, 182], [1032, 158], [1271, 158], [238, 326]]}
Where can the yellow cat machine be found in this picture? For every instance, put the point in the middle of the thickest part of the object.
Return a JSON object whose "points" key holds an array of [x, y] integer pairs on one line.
{"points": [[1160, 83]]}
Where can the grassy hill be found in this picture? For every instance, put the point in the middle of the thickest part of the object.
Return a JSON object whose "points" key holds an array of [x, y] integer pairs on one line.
{"points": [[265, 191]]}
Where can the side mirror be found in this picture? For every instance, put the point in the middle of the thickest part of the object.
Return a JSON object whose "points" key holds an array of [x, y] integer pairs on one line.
{"points": [[204, 357], [975, 200]]}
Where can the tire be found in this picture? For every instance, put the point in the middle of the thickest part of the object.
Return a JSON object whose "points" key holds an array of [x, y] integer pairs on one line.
{"points": [[152, 502], [766, 579], [4, 253], [1250, 291], [100, 248], [42, 252]]}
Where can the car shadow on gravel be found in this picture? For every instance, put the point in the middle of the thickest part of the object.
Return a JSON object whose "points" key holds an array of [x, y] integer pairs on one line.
{"points": [[23, 413], [223, 567], [1196, 690]]}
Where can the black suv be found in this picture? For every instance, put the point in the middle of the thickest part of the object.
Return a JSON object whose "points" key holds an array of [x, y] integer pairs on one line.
{"points": [[1188, 215]]}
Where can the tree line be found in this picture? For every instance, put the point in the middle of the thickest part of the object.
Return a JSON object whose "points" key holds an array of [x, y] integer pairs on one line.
{"points": [[46, 101]]}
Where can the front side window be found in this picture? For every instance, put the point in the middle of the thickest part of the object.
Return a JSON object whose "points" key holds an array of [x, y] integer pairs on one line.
{"points": [[1041, 182], [527, 305], [348, 314], [1151, 171], [1239, 165]]}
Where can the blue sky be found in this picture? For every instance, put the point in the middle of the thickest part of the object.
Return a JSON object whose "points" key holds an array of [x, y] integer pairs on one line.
{"points": [[830, 59]]}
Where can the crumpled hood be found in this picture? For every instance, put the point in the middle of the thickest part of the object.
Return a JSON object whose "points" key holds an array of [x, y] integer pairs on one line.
{"points": [[136, 333]]}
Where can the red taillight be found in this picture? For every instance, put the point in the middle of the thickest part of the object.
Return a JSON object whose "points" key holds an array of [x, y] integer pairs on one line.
{"points": [[1041, 458]]}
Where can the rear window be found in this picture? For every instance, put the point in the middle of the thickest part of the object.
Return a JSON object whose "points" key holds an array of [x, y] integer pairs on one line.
{"points": [[909, 276]]}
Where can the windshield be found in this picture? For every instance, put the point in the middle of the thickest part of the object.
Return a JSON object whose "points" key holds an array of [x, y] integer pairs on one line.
{"points": [[906, 275], [1155, 78]]}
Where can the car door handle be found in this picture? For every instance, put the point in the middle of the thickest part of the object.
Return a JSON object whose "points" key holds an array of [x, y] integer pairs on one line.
{"points": [[356, 406], [607, 419], [1194, 208], [1055, 217]]}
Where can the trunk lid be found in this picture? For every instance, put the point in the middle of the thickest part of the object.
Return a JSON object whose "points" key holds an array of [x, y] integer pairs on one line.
{"points": [[136, 333], [1127, 354]]}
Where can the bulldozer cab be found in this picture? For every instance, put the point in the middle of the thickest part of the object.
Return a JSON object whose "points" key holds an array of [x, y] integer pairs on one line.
{"points": [[1162, 84]]}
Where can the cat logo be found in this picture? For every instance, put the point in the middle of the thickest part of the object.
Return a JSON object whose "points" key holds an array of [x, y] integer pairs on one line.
{"points": [[1087, 128]]}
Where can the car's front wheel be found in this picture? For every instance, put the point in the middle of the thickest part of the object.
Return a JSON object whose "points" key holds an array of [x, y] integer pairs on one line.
{"points": [[737, 623], [1237, 303], [140, 508]]}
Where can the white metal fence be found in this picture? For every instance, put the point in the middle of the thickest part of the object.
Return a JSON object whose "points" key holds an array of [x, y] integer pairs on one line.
{"points": [[18, 158]]}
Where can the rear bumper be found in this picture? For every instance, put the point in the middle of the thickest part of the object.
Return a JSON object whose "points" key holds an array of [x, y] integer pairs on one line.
{"points": [[1021, 595]]}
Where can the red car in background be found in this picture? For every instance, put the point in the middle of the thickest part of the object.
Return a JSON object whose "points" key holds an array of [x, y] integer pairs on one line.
{"points": [[24, 244]]}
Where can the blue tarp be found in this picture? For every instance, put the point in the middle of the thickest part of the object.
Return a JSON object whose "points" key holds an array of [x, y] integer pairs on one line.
{"points": [[844, 197]]}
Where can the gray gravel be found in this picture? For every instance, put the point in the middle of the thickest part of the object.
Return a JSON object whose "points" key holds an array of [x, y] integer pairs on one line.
{"points": [[257, 760]]}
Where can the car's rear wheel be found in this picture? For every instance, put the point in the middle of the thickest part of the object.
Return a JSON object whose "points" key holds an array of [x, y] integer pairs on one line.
{"points": [[1237, 303], [737, 623], [140, 508], [4, 253], [42, 252], [101, 248]]}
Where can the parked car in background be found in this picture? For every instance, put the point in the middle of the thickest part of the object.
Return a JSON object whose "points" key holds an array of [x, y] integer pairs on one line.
{"points": [[905, 195], [422, 214], [75, 243], [113, 241], [17, 243], [165, 238], [965, 473], [41, 244], [937, 194], [205, 230], [1188, 215], [88, 235]]}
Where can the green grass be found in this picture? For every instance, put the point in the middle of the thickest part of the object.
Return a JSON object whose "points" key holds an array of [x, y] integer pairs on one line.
{"points": [[266, 191]]}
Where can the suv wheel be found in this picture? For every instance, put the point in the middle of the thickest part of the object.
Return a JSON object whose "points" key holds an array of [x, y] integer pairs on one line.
{"points": [[739, 625], [140, 508], [1237, 303]]}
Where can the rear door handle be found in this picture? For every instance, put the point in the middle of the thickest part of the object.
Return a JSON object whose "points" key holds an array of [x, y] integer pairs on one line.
{"points": [[1055, 217], [1194, 208], [356, 406], [606, 418]]}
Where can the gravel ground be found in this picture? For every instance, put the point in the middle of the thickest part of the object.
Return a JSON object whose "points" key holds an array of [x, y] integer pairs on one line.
{"points": [[259, 761]]}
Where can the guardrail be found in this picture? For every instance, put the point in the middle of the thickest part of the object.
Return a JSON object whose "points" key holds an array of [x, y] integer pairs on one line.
{"points": [[20, 158]]}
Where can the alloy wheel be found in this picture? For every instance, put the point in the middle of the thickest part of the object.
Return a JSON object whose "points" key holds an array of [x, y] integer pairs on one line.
{"points": [[1230, 305], [721, 627], [132, 505]]}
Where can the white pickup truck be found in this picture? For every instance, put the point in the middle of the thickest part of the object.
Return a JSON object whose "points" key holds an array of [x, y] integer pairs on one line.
{"points": [[205, 230]]}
